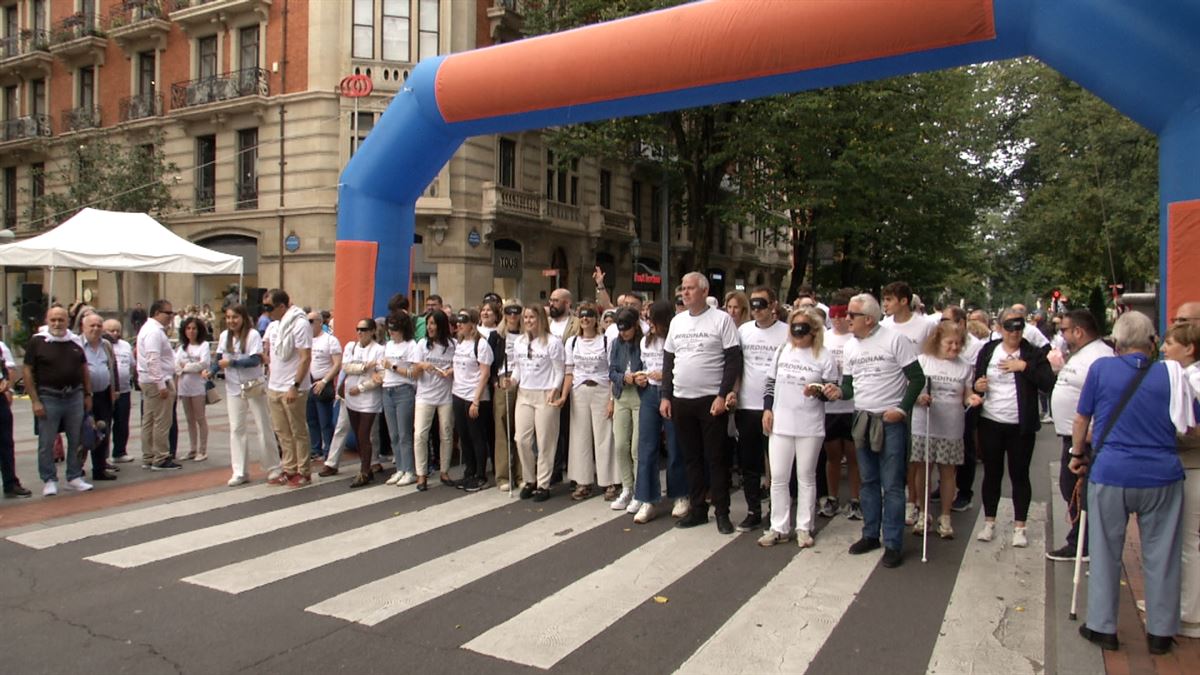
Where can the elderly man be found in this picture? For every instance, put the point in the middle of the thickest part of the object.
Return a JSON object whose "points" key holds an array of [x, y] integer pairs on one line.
{"points": [[289, 354], [1135, 408], [56, 377], [1188, 312], [102, 376], [156, 377], [8, 467], [702, 360], [123, 405], [881, 373], [326, 362]]}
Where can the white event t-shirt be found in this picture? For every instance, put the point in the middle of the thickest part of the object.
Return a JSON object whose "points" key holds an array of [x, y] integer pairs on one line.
{"points": [[467, 371], [1000, 402], [1069, 385], [947, 382], [699, 342], [370, 400], [877, 363], [537, 365], [324, 347], [400, 355], [233, 350], [918, 328], [282, 372], [652, 358], [836, 344], [587, 360], [792, 370], [759, 346], [433, 389]]}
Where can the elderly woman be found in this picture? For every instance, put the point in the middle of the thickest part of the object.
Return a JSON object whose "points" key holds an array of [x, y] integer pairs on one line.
{"points": [[1135, 408], [1009, 373], [1183, 346]]}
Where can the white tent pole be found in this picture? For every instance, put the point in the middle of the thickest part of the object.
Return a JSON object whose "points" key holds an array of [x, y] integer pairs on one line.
{"points": [[50, 294]]}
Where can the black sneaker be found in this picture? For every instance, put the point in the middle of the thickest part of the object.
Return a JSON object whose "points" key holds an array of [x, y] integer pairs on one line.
{"points": [[168, 465], [1159, 644], [864, 545], [694, 518], [961, 504], [750, 523], [1064, 554], [892, 557], [473, 485], [17, 490], [526, 491], [1106, 641], [541, 495], [724, 525]]}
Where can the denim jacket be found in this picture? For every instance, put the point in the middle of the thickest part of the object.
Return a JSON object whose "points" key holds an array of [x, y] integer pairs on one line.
{"points": [[621, 355]]}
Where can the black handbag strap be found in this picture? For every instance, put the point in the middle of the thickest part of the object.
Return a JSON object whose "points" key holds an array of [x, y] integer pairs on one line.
{"points": [[1125, 397]]}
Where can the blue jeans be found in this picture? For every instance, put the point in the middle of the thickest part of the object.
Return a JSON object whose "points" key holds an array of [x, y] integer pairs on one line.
{"points": [[399, 404], [66, 413], [650, 424], [320, 425], [883, 475]]}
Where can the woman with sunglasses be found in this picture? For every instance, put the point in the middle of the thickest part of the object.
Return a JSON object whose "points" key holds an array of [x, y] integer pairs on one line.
{"points": [[537, 373], [191, 360], [651, 425], [1009, 373], [435, 375], [505, 457], [490, 313], [362, 362], [472, 367], [800, 381], [625, 360], [591, 452], [400, 355]]}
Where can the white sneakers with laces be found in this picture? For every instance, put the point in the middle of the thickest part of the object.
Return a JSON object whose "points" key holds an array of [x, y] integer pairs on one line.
{"points": [[988, 531], [50, 488], [634, 507], [622, 501], [645, 514], [79, 484], [682, 506], [1019, 540]]}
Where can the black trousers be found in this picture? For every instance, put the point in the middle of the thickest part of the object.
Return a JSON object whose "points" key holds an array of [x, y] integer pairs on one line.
{"points": [[1001, 442], [1066, 486], [361, 423], [563, 447], [964, 479], [702, 439], [752, 446], [120, 424], [8, 464], [472, 438], [102, 411]]}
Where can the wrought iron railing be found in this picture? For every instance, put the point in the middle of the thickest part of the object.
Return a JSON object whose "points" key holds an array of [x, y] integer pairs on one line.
{"points": [[29, 126], [239, 83], [140, 107], [206, 197], [83, 117], [23, 43], [76, 26], [133, 11], [247, 193]]}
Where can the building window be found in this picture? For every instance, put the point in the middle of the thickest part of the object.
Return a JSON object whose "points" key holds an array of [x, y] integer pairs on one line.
{"points": [[37, 190], [655, 213], [366, 122], [12, 108], [562, 180], [248, 47], [247, 169], [39, 16], [206, 61], [11, 31], [427, 39], [87, 86], [363, 37], [605, 189], [506, 167], [206, 173], [636, 197], [395, 29], [146, 67], [10, 197]]}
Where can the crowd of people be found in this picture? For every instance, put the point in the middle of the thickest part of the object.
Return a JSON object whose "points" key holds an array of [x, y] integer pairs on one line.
{"points": [[783, 400]]}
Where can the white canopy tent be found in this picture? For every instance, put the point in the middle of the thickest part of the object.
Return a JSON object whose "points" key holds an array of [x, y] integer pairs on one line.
{"points": [[116, 240]]}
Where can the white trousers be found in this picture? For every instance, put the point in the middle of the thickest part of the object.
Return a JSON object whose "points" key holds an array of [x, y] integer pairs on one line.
{"points": [[535, 418], [422, 423], [341, 430], [1189, 605], [804, 451], [238, 406], [591, 454]]}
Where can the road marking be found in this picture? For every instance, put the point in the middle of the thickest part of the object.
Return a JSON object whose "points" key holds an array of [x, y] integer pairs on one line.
{"points": [[553, 628], [995, 621], [245, 528], [249, 574], [125, 520], [382, 599], [784, 625]]}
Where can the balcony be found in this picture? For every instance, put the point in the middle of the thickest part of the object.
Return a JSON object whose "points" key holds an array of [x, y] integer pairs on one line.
{"points": [[139, 25], [144, 106], [240, 91], [518, 207], [78, 40], [81, 119], [610, 224], [30, 133], [505, 21], [25, 56], [192, 15], [247, 194]]}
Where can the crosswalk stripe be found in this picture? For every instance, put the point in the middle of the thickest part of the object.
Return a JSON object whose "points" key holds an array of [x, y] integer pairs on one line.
{"points": [[382, 599], [784, 625], [544, 634], [995, 620], [249, 574], [62, 534], [245, 528]]}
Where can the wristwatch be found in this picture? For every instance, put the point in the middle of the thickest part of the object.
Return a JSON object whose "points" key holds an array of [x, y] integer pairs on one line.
{"points": [[296, 386]]}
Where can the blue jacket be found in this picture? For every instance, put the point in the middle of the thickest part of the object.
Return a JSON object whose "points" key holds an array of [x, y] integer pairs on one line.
{"points": [[623, 355]]}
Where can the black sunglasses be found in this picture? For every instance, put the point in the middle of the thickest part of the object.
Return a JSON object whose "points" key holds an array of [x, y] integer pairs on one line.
{"points": [[1013, 325], [587, 314], [854, 315], [512, 310], [364, 329], [758, 303]]}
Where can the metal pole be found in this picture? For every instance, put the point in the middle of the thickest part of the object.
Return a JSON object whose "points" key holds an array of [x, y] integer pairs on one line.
{"points": [[665, 289]]}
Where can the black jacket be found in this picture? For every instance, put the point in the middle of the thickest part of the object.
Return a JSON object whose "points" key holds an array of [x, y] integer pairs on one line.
{"points": [[1037, 376]]}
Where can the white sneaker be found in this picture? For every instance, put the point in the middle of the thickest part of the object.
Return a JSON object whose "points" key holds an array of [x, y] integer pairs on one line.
{"points": [[406, 479], [237, 480], [394, 478], [771, 537], [988, 531], [804, 539], [622, 501], [634, 506], [645, 514], [50, 488], [919, 523], [79, 484], [1019, 539], [682, 506], [910, 514]]}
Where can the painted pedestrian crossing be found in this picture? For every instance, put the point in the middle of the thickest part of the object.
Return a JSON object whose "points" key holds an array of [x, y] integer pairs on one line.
{"points": [[780, 625]]}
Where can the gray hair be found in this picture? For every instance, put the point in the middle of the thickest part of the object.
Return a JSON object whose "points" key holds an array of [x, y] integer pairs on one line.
{"points": [[870, 306], [700, 279], [1133, 330]]}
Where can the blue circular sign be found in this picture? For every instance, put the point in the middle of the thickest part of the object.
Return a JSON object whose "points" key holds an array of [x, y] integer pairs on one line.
{"points": [[292, 243], [473, 237]]}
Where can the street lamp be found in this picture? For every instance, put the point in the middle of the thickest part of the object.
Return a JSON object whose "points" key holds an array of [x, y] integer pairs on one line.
{"points": [[635, 247]]}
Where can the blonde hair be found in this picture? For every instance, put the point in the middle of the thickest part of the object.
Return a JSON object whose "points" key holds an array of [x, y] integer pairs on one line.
{"points": [[543, 322], [812, 318], [945, 329]]}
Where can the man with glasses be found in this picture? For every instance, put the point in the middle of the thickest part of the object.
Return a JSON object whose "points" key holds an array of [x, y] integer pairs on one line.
{"points": [[156, 377], [1082, 334], [760, 340], [288, 348], [882, 375], [564, 325], [1188, 312]]}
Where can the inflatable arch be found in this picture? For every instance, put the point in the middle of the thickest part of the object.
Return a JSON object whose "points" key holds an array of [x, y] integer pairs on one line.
{"points": [[1141, 56]]}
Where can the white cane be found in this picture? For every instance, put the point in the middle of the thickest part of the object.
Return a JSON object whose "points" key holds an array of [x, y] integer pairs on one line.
{"points": [[508, 440], [925, 510], [1079, 539]]}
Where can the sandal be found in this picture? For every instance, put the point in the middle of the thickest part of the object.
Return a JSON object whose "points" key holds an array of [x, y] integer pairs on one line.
{"points": [[581, 493], [611, 493]]}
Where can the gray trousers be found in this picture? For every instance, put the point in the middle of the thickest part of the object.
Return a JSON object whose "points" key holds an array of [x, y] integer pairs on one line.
{"points": [[1160, 514]]}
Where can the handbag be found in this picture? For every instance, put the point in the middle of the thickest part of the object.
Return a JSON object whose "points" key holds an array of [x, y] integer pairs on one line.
{"points": [[328, 393], [253, 389], [212, 396]]}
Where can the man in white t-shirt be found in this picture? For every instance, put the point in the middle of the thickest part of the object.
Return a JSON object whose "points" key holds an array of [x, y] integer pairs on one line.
{"points": [[288, 346], [702, 359], [760, 339], [882, 375], [1082, 333], [897, 305], [326, 362]]}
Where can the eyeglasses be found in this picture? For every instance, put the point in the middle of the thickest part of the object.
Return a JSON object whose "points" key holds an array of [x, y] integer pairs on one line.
{"points": [[314, 321], [1184, 319], [854, 315]]}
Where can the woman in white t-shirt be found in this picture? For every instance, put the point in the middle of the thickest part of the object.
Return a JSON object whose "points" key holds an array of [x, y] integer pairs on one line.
{"points": [[537, 371], [586, 382], [240, 354], [801, 380], [472, 395], [652, 425], [191, 361], [939, 418], [362, 362], [400, 355], [435, 375]]}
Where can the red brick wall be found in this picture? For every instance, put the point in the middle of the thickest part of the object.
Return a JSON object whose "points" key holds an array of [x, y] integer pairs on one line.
{"points": [[483, 30]]}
